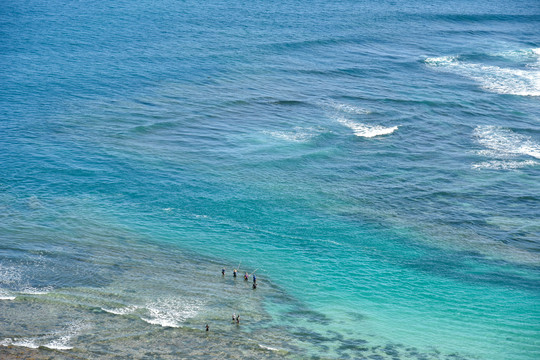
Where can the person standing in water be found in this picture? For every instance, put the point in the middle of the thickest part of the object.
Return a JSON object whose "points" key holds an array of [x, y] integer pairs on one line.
{"points": [[223, 271], [246, 276], [254, 279], [207, 327], [234, 273]]}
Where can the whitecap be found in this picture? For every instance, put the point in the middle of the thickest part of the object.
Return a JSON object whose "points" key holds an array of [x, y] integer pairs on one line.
{"points": [[365, 130]]}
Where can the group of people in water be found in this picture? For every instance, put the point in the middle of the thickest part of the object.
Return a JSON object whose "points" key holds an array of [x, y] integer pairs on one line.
{"points": [[236, 317], [246, 276]]}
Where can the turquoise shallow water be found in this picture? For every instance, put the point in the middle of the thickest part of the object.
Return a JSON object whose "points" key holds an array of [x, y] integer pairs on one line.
{"points": [[376, 165]]}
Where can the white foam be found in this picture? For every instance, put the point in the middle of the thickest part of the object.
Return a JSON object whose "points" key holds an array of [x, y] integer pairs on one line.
{"points": [[58, 340], [503, 146], [23, 342], [367, 131], [347, 108], [268, 347], [60, 344], [36, 291], [170, 312], [6, 295], [503, 165], [121, 311], [505, 143], [298, 134], [532, 56], [442, 61], [523, 82], [10, 275]]}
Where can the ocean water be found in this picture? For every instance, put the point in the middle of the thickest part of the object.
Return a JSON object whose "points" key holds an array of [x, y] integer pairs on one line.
{"points": [[375, 164]]}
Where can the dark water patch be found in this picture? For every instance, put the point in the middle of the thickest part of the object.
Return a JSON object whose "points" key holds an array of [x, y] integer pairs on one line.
{"points": [[458, 268], [309, 315], [480, 17], [56, 270], [311, 336], [340, 72], [356, 345], [390, 350], [289, 103], [309, 44]]}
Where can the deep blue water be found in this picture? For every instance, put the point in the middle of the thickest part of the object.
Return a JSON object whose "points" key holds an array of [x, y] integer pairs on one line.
{"points": [[376, 164]]}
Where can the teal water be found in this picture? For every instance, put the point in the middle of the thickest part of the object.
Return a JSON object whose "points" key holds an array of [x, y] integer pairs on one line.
{"points": [[375, 165]]}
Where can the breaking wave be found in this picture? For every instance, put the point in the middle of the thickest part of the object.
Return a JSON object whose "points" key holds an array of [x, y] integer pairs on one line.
{"points": [[503, 146], [59, 340], [6, 295], [505, 142], [523, 81], [367, 131], [121, 311]]}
